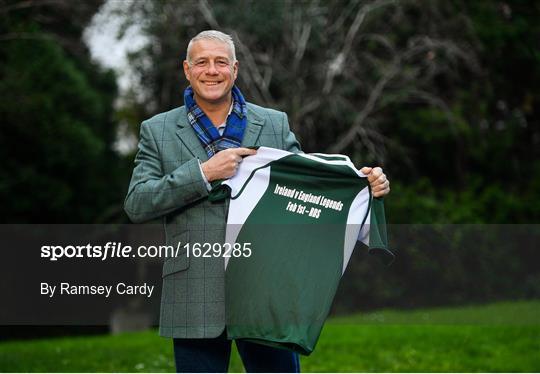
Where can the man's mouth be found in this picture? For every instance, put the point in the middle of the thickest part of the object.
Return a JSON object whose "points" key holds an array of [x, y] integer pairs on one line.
{"points": [[211, 83]]}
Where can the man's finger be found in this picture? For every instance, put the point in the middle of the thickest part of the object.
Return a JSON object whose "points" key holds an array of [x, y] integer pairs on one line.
{"points": [[379, 181], [379, 194], [380, 187], [366, 170], [244, 151], [377, 171], [375, 174]]}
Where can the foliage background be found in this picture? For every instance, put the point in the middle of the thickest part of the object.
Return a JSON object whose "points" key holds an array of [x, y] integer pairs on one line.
{"points": [[443, 94]]}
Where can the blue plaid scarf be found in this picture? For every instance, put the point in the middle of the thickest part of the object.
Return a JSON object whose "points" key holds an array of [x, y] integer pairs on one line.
{"points": [[207, 133]]}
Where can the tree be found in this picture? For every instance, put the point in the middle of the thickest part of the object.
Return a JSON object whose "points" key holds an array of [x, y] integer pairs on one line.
{"points": [[57, 113]]}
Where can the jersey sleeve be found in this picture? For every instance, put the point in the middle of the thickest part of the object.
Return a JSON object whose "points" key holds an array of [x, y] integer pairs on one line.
{"points": [[374, 234]]}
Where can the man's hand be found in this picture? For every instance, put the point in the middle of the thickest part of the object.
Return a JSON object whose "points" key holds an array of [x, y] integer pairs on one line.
{"points": [[224, 164], [380, 186]]}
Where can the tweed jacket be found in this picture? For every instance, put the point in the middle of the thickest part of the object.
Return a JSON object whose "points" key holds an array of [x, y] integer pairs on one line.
{"points": [[167, 183]]}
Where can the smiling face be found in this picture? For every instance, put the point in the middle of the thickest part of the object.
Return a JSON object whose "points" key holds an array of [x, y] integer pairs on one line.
{"points": [[211, 72]]}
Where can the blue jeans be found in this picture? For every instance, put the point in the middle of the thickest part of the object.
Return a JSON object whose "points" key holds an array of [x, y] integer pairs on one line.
{"points": [[212, 355]]}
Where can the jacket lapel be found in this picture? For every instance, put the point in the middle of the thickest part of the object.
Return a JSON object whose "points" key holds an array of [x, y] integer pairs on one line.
{"points": [[253, 129], [188, 136]]}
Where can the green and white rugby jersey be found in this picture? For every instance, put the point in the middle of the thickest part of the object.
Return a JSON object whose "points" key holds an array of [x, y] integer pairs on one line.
{"points": [[301, 215]]}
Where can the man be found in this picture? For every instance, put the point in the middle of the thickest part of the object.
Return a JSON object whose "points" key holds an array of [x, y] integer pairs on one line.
{"points": [[180, 153]]}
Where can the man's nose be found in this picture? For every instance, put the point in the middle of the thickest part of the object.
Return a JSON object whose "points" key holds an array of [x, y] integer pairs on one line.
{"points": [[212, 68]]}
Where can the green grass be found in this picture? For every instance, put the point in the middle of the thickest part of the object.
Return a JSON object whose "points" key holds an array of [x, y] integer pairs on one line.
{"points": [[496, 337]]}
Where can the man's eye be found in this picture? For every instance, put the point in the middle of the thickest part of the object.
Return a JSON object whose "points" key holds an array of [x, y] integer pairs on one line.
{"points": [[222, 63], [200, 63]]}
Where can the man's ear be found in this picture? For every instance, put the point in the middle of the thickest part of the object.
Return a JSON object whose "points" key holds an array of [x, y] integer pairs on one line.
{"points": [[185, 64], [235, 69]]}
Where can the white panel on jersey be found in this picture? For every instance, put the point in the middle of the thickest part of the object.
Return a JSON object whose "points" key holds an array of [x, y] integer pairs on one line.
{"points": [[353, 232], [251, 195]]}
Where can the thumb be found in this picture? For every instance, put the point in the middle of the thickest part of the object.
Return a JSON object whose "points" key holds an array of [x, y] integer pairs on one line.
{"points": [[366, 170]]}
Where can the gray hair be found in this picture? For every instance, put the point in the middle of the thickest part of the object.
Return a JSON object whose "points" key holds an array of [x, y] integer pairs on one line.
{"points": [[215, 36]]}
